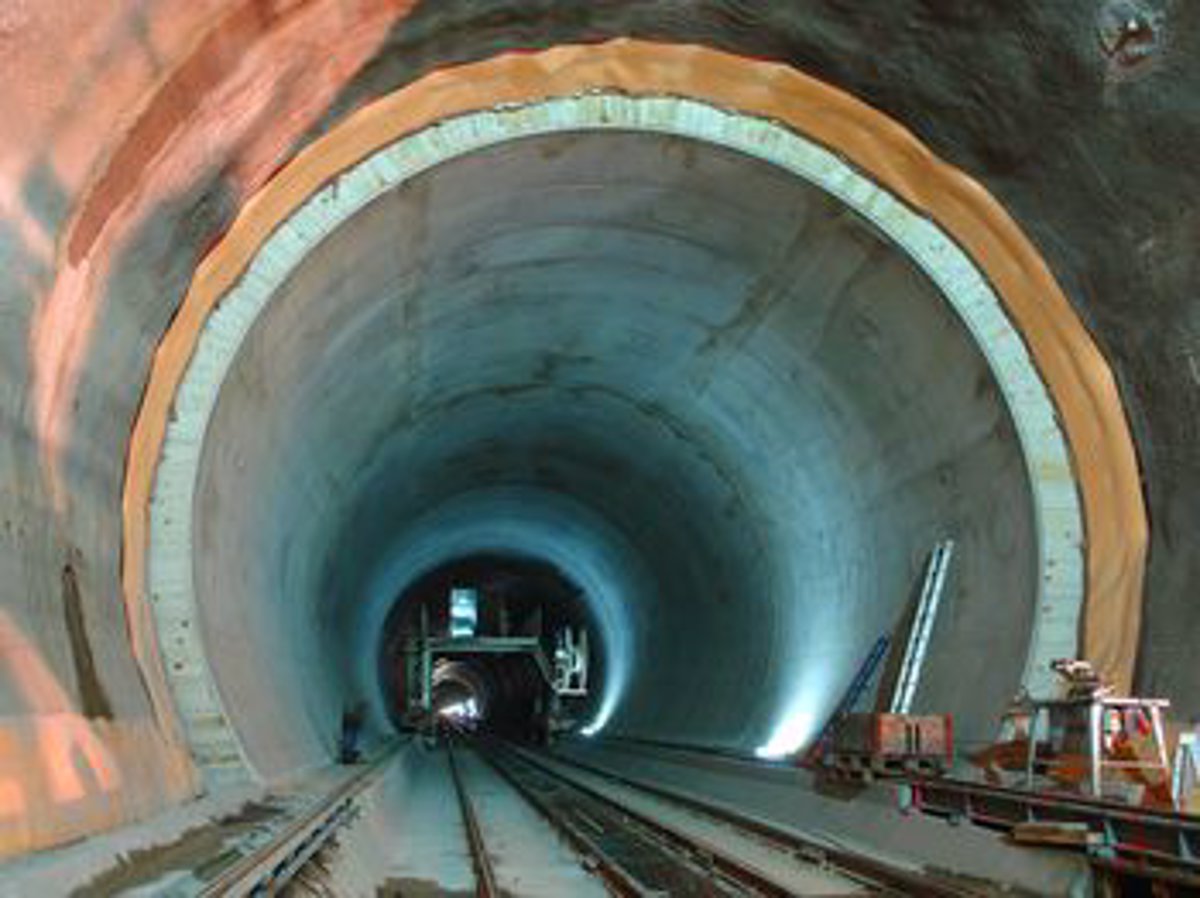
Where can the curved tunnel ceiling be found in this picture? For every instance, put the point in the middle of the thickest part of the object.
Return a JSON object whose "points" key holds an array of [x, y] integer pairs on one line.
{"points": [[546, 350]]}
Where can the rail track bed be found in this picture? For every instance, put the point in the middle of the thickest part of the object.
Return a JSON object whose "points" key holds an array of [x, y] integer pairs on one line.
{"points": [[492, 820], [631, 854], [642, 843]]}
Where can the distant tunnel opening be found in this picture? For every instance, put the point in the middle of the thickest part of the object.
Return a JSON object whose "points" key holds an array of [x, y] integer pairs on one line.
{"points": [[503, 694], [458, 692]]}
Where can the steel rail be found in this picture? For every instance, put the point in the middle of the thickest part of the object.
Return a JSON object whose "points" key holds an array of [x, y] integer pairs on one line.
{"points": [[689, 850], [1145, 841], [485, 876], [619, 880], [1149, 842], [267, 868], [851, 864]]}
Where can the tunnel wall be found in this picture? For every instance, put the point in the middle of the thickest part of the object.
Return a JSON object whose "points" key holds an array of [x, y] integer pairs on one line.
{"points": [[332, 330], [465, 355], [122, 176]]}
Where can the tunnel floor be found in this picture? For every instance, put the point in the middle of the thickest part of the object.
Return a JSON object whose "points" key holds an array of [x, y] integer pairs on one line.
{"points": [[479, 817], [431, 850]]}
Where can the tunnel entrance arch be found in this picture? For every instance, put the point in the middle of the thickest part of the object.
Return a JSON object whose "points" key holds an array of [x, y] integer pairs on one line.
{"points": [[296, 213]]}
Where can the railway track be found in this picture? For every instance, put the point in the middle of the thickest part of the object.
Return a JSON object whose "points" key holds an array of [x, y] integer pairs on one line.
{"points": [[872, 875], [481, 862], [271, 866], [629, 852], [664, 844], [635, 839]]}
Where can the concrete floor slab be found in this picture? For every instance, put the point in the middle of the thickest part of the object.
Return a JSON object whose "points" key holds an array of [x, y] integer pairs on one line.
{"points": [[869, 823], [768, 861], [420, 818], [529, 858]]}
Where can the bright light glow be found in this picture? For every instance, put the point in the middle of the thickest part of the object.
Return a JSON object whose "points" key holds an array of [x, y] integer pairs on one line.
{"points": [[607, 706], [464, 613], [466, 710], [789, 737]]}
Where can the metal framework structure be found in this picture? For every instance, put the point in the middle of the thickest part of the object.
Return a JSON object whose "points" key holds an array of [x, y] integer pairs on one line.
{"points": [[571, 663], [1064, 730], [566, 676]]}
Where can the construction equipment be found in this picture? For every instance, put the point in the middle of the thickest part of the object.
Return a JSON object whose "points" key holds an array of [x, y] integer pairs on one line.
{"points": [[564, 670], [570, 676], [895, 741], [1086, 741], [1185, 772], [922, 627], [870, 745]]}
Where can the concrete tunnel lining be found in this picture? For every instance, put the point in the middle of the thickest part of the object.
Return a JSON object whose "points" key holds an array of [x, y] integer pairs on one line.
{"points": [[943, 260]]}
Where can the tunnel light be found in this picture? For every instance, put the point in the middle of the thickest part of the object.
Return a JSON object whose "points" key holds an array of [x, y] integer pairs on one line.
{"points": [[598, 722], [466, 710], [789, 737], [464, 612]]}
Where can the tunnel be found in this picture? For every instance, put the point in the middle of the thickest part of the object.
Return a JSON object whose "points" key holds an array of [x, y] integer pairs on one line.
{"points": [[694, 330], [710, 396], [503, 696]]}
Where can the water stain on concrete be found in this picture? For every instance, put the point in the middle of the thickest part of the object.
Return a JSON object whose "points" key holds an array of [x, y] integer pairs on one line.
{"points": [[93, 698], [204, 851]]}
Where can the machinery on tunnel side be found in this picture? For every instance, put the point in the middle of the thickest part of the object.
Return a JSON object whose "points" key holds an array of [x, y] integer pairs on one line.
{"points": [[891, 740], [1082, 767], [1085, 740]]}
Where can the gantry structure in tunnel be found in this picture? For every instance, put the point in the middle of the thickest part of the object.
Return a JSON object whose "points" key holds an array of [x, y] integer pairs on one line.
{"points": [[706, 320]]}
